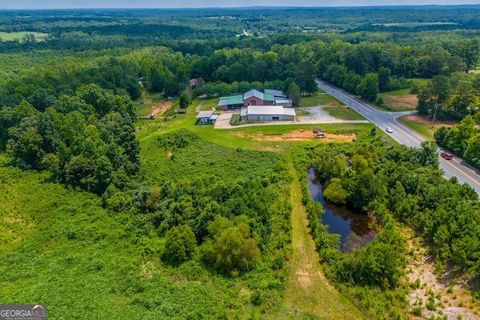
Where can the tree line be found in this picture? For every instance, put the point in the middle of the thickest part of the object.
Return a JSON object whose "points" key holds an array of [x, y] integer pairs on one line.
{"points": [[85, 139]]}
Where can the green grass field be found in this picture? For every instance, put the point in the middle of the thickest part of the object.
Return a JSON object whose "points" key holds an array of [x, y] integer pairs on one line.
{"points": [[319, 99], [206, 104], [18, 36], [343, 113], [148, 131]]}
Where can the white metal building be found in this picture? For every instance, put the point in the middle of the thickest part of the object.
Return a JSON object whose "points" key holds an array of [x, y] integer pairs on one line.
{"points": [[267, 113]]}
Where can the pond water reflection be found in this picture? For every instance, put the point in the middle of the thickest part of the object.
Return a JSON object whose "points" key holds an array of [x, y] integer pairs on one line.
{"points": [[354, 228]]}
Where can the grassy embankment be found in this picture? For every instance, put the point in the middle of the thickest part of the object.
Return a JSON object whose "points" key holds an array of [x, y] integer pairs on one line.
{"points": [[422, 125]]}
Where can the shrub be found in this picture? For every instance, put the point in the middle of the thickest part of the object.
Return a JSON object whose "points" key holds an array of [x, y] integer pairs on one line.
{"points": [[335, 192], [235, 120], [176, 140], [180, 244], [231, 249]]}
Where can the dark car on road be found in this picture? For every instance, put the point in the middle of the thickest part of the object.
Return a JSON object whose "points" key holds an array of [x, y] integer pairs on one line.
{"points": [[446, 155]]}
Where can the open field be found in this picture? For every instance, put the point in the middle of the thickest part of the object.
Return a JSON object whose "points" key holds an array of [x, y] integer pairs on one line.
{"points": [[205, 104], [343, 112], [399, 100], [423, 125], [319, 99], [18, 36]]}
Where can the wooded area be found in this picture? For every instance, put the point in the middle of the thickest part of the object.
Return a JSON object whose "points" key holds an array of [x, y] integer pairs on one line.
{"points": [[160, 218]]}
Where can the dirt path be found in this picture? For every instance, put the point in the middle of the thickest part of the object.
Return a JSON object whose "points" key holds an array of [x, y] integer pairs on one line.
{"points": [[436, 296], [158, 111], [308, 292], [297, 135]]}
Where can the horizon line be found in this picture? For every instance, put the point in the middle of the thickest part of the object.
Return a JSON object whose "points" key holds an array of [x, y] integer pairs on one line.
{"points": [[247, 7]]}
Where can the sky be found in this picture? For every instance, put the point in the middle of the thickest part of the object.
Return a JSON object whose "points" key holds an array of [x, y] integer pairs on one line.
{"points": [[47, 4]]}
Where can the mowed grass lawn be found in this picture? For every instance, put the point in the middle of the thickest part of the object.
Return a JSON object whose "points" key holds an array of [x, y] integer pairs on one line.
{"points": [[18, 36], [343, 112], [319, 99]]}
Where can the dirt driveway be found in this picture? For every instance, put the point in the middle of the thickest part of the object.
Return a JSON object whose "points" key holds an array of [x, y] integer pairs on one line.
{"points": [[158, 111], [223, 121]]}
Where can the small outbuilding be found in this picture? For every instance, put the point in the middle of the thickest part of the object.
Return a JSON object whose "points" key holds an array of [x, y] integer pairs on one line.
{"points": [[206, 117], [267, 113]]}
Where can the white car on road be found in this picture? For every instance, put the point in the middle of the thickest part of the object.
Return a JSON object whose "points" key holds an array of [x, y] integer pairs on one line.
{"points": [[389, 130]]}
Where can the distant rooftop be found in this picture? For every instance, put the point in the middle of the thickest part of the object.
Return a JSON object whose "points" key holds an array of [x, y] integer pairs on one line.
{"points": [[258, 94]]}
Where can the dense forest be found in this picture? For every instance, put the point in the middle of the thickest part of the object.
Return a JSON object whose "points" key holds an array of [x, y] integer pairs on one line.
{"points": [[181, 221]]}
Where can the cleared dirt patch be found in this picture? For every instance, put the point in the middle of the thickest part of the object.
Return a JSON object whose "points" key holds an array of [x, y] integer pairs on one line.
{"points": [[403, 102], [297, 135], [435, 294], [161, 109]]}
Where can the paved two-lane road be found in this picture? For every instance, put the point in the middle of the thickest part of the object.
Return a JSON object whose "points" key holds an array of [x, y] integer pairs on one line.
{"points": [[401, 133]]}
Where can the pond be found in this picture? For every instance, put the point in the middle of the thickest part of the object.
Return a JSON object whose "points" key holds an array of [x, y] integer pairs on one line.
{"points": [[354, 228]]}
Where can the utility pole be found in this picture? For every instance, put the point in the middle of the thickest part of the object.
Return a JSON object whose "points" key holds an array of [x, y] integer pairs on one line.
{"points": [[434, 116]]}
